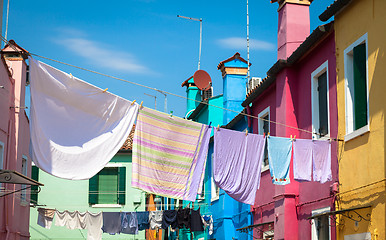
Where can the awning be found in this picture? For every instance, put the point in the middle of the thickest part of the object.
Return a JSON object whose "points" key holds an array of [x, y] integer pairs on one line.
{"points": [[9, 176], [13, 177], [350, 213]]}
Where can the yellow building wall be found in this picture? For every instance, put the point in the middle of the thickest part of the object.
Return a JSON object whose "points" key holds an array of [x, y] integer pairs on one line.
{"points": [[362, 159]]}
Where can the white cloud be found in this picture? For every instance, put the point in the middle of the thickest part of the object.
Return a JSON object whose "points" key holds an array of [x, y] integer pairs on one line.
{"points": [[238, 43], [103, 55]]}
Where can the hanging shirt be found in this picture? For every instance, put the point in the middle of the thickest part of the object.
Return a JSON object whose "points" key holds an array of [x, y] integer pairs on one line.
{"points": [[129, 223], [169, 155], [111, 222], [279, 157], [196, 224], [94, 226], [71, 220], [155, 219], [143, 220], [76, 128], [207, 220], [45, 217], [183, 218], [237, 163], [312, 155], [169, 218]]}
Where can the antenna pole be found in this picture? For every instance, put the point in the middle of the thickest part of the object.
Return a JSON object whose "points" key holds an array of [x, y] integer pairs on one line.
{"points": [[248, 76], [199, 50]]}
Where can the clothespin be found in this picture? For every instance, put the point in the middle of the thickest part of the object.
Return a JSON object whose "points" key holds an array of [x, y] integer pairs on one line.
{"points": [[291, 138], [71, 75], [268, 134], [105, 90], [171, 114], [246, 133], [140, 106], [210, 124], [294, 137], [264, 134], [133, 102], [218, 127]]}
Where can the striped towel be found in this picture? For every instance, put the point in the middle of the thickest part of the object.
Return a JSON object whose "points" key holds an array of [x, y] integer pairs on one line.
{"points": [[169, 155]]}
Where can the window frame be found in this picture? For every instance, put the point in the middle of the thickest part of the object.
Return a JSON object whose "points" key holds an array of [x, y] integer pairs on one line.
{"points": [[214, 193], [348, 78], [260, 128], [1, 159], [24, 171], [111, 205], [313, 225], [323, 68]]}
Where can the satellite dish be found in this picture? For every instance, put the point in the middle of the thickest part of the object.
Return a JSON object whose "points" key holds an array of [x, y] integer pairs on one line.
{"points": [[202, 80]]}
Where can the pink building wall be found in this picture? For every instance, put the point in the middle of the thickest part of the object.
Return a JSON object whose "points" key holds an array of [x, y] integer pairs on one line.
{"points": [[14, 134], [289, 98]]}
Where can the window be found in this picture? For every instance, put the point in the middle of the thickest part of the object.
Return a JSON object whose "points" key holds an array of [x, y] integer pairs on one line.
{"points": [[34, 189], [320, 226], [264, 128], [320, 109], [356, 88], [24, 168], [215, 190], [108, 187]]}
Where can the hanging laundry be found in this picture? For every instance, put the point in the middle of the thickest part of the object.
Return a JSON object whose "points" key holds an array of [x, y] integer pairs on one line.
{"points": [[312, 155], [302, 159], [322, 161], [237, 163], [279, 157], [169, 218], [196, 224], [143, 220], [85, 220], [94, 226], [111, 222], [76, 128], [183, 218], [155, 219], [169, 155], [207, 220], [45, 217], [129, 223]]}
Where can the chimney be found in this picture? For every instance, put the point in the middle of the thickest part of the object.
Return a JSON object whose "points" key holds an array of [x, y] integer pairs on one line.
{"points": [[293, 27], [234, 72], [192, 92]]}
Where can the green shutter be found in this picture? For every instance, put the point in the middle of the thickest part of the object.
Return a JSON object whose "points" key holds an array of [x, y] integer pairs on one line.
{"points": [[93, 190], [108, 186], [122, 185], [323, 108], [360, 88], [34, 189]]}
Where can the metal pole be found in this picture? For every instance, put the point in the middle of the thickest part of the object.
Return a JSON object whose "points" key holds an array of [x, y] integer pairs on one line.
{"points": [[199, 53], [247, 45], [6, 23], [166, 100], [155, 100], [199, 50]]}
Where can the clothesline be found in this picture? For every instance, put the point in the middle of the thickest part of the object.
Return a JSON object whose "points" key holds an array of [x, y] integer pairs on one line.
{"points": [[173, 94]]}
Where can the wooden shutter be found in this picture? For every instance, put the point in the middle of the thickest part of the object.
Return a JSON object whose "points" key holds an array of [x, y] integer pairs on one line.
{"points": [[108, 186], [34, 189], [121, 185], [323, 108], [360, 88], [93, 190]]}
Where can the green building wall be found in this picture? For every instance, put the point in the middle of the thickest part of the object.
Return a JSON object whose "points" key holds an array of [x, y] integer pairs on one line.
{"points": [[73, 195]]}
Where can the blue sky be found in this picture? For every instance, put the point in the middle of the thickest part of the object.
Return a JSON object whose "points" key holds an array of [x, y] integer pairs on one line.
{"points": [[143, 40]]}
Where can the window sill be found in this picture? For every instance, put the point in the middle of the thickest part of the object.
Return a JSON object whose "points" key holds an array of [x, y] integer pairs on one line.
{"points": [[106, 206], [357, 133], [265, 168]]}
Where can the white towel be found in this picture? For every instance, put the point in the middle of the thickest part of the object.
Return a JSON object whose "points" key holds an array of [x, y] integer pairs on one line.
{"points": [[76, 128]]}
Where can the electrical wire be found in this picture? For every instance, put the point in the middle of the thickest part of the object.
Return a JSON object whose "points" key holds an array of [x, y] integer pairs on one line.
{"points": [[172, 94]]}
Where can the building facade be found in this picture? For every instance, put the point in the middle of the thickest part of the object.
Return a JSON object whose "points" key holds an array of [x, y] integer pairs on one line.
{"points": [[14, 142], [360, 47], [297, 99], [108, 191]]}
